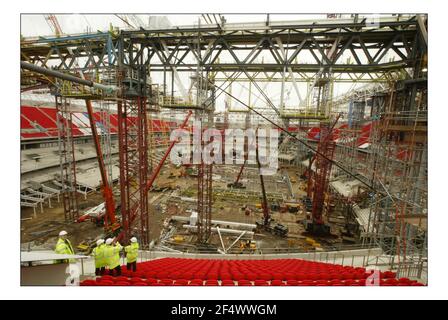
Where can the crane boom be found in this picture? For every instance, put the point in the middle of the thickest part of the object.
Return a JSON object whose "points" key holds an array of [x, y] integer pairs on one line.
{"points": [[109, 221]]}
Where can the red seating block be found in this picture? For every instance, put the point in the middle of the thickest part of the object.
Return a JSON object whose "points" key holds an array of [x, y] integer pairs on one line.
{"points": [[209, 272]]}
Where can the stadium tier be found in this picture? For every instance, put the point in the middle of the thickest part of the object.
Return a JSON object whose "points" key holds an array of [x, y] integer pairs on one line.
{"points": [[41, 123], [278, 272]]}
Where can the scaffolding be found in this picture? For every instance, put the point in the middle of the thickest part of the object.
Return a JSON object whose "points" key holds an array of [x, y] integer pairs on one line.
{"points": [[205, 101], [133, 146], [67, 159], [398, 170]]}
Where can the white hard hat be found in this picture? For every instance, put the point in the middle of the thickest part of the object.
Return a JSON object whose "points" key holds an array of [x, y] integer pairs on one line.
{"points": [[100, 242], [109, 241], [62, 233], [133, 239]]}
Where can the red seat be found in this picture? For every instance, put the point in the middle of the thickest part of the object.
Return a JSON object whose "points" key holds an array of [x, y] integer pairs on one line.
{"points": [[187, 275], [174, 275], [122, 283], [251, 277], [88, 283], [107, 278], [212, 276], [261, 283], [265, 276], [225, 276], [167, 282], [244, 283], [292, 282], [417, 284], [135, 279], [105, 283], [388, 275], [121, 279], [199, 282], [238, 276], [290, 276], [277, 283], [227, 283], [211, 283], [181, 282]]}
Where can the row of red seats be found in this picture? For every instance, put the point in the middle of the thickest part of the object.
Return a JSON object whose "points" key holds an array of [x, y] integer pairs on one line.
{"points": [[175, 271], [46, 118], [283, 269], [124, 281]]}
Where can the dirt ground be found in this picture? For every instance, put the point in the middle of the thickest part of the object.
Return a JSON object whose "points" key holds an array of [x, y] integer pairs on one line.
{"points": [[43, 229]]}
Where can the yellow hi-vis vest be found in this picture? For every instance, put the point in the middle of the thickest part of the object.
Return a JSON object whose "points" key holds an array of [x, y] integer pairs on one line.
{"points": [[64, 247], [99, 254], [112, 254], [132, 252]]}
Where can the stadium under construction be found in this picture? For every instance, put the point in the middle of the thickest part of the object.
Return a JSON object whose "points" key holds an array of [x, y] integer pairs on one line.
{"points": [[238, 153]]}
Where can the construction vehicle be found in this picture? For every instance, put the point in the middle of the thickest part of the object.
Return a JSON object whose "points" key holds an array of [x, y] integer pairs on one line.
{"points": [[276, 229], [279, 230], [237, 184], [248, 245], [162, 186], [266, 223]]}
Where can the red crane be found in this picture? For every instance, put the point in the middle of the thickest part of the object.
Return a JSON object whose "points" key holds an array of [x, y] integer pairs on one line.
{"points": [[167, 153], [320, 178], [264, 204], [328, 137], [110, 223]]}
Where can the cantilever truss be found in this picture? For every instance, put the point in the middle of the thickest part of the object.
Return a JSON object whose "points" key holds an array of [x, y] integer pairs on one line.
{"points": [[363, 52]]}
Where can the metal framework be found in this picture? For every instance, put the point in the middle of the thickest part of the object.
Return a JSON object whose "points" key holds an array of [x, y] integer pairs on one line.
{"points": [[367, 44], [67, 159], [133, 155], [398, 164]]}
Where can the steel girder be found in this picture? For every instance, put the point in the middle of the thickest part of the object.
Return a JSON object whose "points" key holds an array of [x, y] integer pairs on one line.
{"points": [[362, 52], [366, 47]]}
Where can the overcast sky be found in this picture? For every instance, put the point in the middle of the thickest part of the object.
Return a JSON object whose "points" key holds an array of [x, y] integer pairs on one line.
{"points": [[36, 25]]}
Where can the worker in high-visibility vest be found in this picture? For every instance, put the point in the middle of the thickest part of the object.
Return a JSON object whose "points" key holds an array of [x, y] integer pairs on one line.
{"points": [[112, 254], [100, 259], [132, 254], [64, 246]]}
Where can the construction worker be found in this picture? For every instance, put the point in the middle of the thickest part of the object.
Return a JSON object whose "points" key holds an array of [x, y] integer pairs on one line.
{"points": [[64, 246], [132, 254], [112, 255], [100, 259]]}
